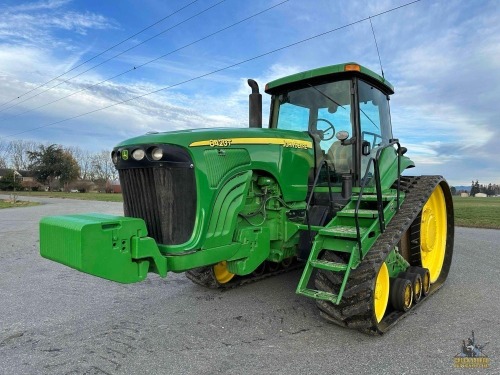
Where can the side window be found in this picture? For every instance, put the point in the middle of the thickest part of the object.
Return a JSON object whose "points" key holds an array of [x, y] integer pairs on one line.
{"points": [[293, 117], [375, 122], [374, 115]]}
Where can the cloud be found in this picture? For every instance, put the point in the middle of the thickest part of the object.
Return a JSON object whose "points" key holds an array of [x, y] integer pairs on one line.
{"points": [[35, 23], [39, 5]]}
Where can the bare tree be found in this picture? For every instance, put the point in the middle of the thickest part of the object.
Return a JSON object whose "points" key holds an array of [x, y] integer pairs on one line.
{"points": [[85, 159], [19, 149], [4, 154], [102, 167]]}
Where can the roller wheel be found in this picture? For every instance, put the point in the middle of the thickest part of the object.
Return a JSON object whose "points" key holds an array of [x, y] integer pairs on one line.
{"points": [[272, 266], [401, 294], [416, 283], [425, 276], [287, 262], [260, 269]]}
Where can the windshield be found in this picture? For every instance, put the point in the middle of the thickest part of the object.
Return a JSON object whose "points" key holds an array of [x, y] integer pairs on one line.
{"points": [[322, 109]]}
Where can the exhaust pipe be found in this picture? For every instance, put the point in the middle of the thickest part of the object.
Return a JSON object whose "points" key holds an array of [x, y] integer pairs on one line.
{"points": [[254, 105]]}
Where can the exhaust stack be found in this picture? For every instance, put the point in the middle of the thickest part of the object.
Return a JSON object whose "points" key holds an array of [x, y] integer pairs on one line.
{"points": [[254, 105]]}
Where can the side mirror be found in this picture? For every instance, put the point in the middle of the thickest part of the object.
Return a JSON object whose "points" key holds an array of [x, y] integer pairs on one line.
{"points": [[366, 148], [342, 135]]}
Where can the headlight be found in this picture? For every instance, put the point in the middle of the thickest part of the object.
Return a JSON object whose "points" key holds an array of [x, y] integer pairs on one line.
{"points": [[114, 157], [157, 153], [138, 154]]}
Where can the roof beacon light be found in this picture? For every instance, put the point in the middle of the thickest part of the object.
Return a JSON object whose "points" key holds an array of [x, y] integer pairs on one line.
{"points": [[352, 67]]}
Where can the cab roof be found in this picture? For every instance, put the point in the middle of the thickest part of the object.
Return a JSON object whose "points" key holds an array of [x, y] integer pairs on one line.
{"points": [[326, 73]]}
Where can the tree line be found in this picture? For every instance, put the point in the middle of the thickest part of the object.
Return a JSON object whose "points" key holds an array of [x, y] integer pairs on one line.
{"points": [[490, 189], [55, 166]]}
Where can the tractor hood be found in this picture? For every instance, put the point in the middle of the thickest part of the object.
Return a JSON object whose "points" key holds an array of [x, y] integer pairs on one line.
{"points": [[222, 137]]}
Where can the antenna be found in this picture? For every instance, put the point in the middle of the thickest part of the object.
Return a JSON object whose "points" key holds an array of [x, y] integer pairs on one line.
{"points": [[376, 45]]}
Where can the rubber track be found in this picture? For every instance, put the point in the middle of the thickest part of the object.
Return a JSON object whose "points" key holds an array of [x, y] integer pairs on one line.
{"points": [[205, 277], [356, 308]]}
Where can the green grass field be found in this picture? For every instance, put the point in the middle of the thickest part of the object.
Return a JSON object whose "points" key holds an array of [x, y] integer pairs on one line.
{"points": [[7, 204], [82, 196], [477, 212]]}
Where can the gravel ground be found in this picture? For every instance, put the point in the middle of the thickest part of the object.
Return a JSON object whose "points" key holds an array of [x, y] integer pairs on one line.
{"points": [[55, 320]]}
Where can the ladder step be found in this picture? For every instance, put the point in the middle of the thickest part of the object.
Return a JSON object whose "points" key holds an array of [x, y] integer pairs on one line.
{"points": [[370, 214], [373, 198], [343, 231], [329, 266], [318, 294]]}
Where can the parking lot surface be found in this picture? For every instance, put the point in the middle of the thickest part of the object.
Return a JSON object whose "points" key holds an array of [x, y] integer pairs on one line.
{"points": [[55, 320]]}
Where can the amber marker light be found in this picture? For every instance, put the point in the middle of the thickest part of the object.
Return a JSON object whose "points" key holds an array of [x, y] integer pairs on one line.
{"points": [[352, 67]]}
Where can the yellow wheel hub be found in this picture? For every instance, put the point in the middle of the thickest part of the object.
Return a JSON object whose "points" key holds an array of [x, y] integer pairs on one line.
{"points": [[221, 273], [408, 298], [381, 293], [433, 233]]}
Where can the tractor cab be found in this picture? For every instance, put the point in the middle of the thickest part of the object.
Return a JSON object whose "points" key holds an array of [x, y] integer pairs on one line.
{"points": [[344, 109]]}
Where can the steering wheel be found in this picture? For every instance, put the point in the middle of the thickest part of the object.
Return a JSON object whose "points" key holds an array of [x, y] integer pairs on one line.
{"points": [[325, 134]]}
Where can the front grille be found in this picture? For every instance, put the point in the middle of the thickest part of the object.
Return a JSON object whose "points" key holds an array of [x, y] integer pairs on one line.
{"points": [[165, 198]]}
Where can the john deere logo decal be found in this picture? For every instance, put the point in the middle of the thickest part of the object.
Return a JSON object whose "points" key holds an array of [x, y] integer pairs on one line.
{"points": [[125, 154]]}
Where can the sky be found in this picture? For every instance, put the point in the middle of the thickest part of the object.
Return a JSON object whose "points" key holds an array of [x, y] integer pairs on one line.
{"points": [[443, 58]]}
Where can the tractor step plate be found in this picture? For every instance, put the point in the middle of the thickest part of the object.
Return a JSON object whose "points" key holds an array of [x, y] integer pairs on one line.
{"points": [[370, 214], [97, 244], [373, 198], [329, 266], [342, 231], [318, 294]]}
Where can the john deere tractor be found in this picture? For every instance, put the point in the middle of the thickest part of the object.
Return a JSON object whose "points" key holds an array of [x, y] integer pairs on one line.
{"points": [[320, 189]]}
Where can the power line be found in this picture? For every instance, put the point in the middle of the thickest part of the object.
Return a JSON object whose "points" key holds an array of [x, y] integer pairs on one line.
{"points": [[153, 60], [103, 52], [115, 56], [218, 70]]}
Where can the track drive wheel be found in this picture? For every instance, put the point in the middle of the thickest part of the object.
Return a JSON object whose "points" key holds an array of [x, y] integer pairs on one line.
{"points": [[433, 233], [211, 276], [221, 273], [381, 292]]}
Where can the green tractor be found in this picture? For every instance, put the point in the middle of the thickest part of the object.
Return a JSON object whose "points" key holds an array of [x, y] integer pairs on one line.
{"points": [[321, 189]]}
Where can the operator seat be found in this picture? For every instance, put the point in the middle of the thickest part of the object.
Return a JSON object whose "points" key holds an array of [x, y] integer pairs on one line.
{"points": [[340, 157]]}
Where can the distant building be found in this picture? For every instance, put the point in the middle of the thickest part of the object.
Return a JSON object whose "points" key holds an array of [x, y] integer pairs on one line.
{"points": [[464, 195], [115, 186], [480, 195], [25, 175]]}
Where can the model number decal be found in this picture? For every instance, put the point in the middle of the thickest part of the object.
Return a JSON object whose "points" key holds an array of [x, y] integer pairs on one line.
{"points": [[295, 144], [220, 142], [227, 142]]}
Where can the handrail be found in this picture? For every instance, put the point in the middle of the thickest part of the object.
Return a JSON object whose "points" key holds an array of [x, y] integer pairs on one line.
{"points": [[378, 190], [323, 159]]}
